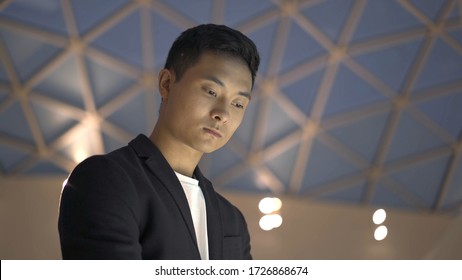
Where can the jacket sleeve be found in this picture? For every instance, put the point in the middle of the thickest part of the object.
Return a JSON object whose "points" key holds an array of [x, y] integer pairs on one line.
{"points": [[97, 216]]}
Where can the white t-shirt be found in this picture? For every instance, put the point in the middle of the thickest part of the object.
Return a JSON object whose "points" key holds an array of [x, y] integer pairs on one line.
{"points": [[196, 203]]}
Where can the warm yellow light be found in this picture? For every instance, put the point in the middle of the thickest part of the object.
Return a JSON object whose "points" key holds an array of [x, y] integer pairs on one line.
{"points": [[269, 205], [269, 222], [80, 154]]}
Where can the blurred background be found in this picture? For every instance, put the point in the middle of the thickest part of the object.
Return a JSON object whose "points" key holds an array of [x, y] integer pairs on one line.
{"points": [[357, 107]]}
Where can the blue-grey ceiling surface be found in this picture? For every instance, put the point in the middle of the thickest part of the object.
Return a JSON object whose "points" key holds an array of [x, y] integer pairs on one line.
{"points": [[356, 102]]}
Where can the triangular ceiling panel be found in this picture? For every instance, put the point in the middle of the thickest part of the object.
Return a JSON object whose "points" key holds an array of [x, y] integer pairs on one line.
{"points": [[3, 96], [110, 143], [64, 83], [107, 82], [88, 15], [247, 182], [3, 73], [383, 17], [45, 167], [132, 115], [443, 65], [13, 117], [282, 165], [350, 194], [329, 16], [278, 124], [430, 8], [246, 131], [127, 47], [456, 12], [423, 179], [454, 192], [44, 14], [384, 197], [164, 32], [362, 136], [300, 47], [456, 35], [324, 165], [411, 137], [303, 92], [446, 111], [51, 120], [264, 40], [221, 160], [391, 64], [199, 12], [28, 53], [238, 11], [11, 156], [349, 92]]}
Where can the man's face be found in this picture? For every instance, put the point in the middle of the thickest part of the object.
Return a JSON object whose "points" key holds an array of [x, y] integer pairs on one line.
{"points": [[204, 108]]}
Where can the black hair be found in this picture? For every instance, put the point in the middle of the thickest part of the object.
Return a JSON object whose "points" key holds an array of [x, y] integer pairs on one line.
{"points": [[219, 39]]}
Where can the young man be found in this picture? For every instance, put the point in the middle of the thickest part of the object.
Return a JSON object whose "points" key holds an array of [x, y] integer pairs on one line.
{"points": [[149, 200]]}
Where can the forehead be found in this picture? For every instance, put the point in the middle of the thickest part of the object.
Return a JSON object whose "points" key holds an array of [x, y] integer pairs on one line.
{"points": [[227, 68]]}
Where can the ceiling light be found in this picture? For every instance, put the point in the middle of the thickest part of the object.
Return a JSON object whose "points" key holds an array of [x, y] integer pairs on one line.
{"points": [[379, 216], [380, 233], [269, 205]]}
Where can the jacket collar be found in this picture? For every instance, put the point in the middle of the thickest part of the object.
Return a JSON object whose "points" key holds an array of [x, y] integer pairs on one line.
{"points": [[159, 166]]}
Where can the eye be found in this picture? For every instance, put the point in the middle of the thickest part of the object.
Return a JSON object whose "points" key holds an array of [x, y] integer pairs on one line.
{"points": [[211, 92], [238, 105]]}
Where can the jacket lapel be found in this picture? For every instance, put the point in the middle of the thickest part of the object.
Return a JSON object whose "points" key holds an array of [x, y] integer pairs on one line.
{"points": [[159, 166]]}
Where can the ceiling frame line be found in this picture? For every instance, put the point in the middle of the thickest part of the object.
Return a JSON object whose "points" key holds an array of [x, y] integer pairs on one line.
{"points": [[40, 34], [382, 88], [173, 16], [147, 46], [343, 151], [429, 123], [401, 191], [64, 108], [278, 47], [118, 101], [4, 4], [7, 101], [360, 113], [444, 90], [417, 65], [312, 127], [450, 172], [385, 41], [115, 131], [69, 19], [16, 142], [334, 185], [15, 84], [108, 23], [258, 21], [268, 85], [352, 22], [218, 8], [414, 159], [112, 62], [303, 70]]}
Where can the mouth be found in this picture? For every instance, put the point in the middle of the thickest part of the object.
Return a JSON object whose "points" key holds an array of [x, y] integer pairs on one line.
{"points": [[213, 132]]}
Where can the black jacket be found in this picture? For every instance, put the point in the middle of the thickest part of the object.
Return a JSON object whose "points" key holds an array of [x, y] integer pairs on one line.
{"points": [[129, 204]]}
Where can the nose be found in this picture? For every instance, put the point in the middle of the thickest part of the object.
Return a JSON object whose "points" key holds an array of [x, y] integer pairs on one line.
{"points": [[220, 113]]}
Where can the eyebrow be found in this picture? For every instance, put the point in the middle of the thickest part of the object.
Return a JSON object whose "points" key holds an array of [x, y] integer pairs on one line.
{"points": [[220, 83]]}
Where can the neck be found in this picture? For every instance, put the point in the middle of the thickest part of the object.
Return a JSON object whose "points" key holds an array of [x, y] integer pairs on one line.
{"points": [[180, 157]]}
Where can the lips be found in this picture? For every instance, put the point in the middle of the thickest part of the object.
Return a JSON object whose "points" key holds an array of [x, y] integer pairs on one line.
{"points": [[213, 132]]}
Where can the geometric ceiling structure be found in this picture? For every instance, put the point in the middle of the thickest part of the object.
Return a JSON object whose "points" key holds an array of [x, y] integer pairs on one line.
{"points": [[355, 102]]}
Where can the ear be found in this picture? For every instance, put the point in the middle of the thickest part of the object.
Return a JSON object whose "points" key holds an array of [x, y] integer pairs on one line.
{"points": [[166, 78]]}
